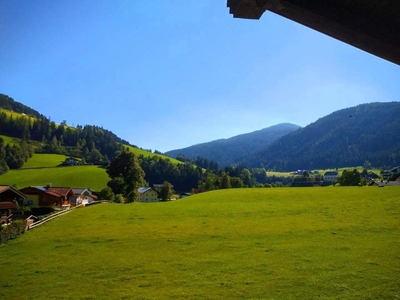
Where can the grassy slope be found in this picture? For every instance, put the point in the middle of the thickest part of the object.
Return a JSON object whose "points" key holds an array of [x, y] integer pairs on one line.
{"points": [[9, 140], [138, 152], [43, 168], [293, 243], [14, 114]]}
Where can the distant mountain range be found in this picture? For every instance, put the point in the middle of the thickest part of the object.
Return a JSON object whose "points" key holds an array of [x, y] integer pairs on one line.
{"points": [[348, 137], [235, 149], [345, 138]]}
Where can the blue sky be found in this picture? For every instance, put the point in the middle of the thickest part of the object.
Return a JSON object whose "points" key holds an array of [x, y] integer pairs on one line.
{"points": [[169, 74]]}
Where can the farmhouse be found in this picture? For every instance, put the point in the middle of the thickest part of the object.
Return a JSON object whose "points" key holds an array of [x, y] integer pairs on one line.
{"points": [[331, 176], [48, 196], [395, 170], [71, 161], [389, 173], [158, 186], [148, 194], [8, 195], [383, 183], [82, 196]]}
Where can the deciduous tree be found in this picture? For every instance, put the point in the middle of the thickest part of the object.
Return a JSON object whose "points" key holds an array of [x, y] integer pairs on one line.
{"points": [[126, 175]]}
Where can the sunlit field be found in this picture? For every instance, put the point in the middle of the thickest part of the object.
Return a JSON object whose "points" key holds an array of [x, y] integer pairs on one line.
{"points": [[44, 168], [282, 243]]}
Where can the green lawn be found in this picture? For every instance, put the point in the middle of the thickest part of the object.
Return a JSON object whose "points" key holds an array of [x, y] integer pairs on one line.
{"points": [[44, 168], [286, 243], [44, 161]]}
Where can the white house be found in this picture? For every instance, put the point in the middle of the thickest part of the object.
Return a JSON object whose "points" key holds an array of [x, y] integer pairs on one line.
{"points": [[331, 176], [148, 194]]}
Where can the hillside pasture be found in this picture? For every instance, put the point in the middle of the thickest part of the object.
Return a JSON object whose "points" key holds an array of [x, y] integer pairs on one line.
{"points": [[90, 176], [138, 152], [9, 140], [41, 160], [287, 243]]}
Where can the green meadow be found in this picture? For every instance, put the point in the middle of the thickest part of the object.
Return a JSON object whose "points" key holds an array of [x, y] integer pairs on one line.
{"points": [[138, 152], [279, 243], [14, 114], [44, 168], [9, 140]]}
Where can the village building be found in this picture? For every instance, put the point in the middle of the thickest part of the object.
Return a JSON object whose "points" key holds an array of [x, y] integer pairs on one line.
{"points": [[148, 194], [331, 176], [10, 197], [48, 196], [82, 196]]}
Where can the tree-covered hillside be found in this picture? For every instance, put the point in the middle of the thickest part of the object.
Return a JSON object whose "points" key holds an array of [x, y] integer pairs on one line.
{"points": [[9, 103], [235, 149], [347, 137], [92, 143]]}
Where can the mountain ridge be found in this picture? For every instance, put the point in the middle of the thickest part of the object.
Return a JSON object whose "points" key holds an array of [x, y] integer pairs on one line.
{"points": [[345, 137], [236, 148], [349, 136]]}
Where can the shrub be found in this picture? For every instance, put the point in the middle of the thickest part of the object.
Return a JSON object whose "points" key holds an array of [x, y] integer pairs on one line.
{"points": [[12, 230], [119, 199]]}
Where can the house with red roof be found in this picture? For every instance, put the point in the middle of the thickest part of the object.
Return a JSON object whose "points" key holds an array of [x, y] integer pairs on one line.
{"points": [[8, 196], [48, 196]]}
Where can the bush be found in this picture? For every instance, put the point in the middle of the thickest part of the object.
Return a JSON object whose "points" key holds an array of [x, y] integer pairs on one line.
{"points": [[12, 230], [119, 199], [106, 194]]}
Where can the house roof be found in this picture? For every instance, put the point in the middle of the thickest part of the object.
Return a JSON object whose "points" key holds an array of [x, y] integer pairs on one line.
{"points": [[385, 183], [4, 188], [158, 185], [63, 191], [80, 191], [331, 174], [143, 190], [43, 190], [395, 169]]}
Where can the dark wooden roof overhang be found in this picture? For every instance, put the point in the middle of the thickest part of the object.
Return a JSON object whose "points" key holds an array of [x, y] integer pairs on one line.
{"points": [[370, 25]]}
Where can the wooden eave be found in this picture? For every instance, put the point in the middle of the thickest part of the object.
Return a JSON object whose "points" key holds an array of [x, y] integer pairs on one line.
{"points": [[370, 25]]}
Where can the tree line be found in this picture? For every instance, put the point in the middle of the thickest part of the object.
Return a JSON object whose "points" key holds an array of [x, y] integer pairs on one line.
{"points": [[14, 156]]}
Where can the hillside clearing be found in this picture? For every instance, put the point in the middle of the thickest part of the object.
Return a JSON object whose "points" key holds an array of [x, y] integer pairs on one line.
{"points": [[288, 243], [44, 168]]}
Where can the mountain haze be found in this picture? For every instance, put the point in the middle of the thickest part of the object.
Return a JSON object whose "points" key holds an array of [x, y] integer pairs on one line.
{"points": [[347, 137], [233, 150]]}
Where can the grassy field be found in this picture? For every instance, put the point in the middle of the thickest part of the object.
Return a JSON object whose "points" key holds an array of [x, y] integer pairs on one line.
{"points": [[322, 171], [44, 168], [9, 140], [14, 114], [287, 243], [138, 152]]}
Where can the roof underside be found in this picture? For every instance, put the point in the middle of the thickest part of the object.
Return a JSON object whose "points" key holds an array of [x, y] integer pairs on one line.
{"points": [[371, 25]]}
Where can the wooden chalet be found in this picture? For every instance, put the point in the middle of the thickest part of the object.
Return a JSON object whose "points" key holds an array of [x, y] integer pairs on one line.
{"points": [[48, 196], [8, 196]]}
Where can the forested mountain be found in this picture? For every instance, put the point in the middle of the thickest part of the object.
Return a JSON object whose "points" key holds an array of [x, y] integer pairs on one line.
{"points": [[347, 137], [90, 142], [7, 102], [235, 149]]}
